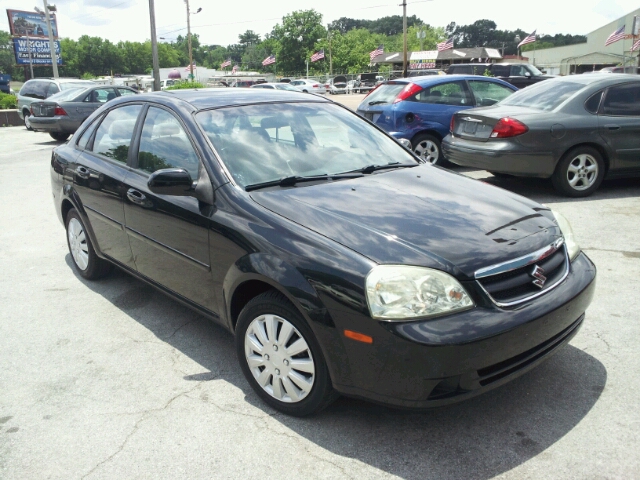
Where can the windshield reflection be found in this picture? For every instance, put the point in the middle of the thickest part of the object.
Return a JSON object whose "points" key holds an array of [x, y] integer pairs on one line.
{"points": [[267, 142]]}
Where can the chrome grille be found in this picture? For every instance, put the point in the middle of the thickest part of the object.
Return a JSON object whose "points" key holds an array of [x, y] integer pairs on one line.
{"points": [[526, 278]]}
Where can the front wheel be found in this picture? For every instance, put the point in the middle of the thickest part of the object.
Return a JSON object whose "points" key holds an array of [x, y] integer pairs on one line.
{"points": [[428, 148], [579, 173], [27, 123], [280, 357], [85, 260], [59, 136]]}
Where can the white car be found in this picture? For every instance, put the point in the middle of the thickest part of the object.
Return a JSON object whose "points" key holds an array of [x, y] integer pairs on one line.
{"points": [[308, 86]]}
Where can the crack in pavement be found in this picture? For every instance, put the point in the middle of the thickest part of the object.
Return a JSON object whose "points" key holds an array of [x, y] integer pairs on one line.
{"points": [[626, 253]]}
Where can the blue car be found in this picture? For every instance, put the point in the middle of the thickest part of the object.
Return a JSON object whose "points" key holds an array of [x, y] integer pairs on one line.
{"points": [[420, 108]]}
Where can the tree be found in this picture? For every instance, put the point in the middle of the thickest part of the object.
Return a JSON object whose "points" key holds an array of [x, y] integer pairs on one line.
{"points": [[297, 36]]}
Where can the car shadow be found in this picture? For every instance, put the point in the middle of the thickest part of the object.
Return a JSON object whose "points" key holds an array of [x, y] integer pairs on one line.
{"points": [[477, 439]]}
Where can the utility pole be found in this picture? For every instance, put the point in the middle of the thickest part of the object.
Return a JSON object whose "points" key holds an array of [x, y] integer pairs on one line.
{"points": [[154, 47], [189, 39], [29, 50], [52, 43], [404, 38]]}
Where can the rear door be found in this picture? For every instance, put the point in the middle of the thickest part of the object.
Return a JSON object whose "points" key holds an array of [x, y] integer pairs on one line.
{"points": [[437, 104], [169, 235], [619, 124], [98, 175]]}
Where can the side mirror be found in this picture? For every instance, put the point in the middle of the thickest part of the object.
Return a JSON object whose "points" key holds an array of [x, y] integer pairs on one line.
{"points": [[171, 181], [527, 74]]}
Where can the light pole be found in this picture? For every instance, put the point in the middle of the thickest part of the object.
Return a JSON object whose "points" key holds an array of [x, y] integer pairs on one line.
{"points": [[517, 40], [154, 47], [52, 43], [189, 37], [421, 34], [404, 38]]}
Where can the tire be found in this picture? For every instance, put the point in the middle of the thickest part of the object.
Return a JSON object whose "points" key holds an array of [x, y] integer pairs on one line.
{"points": [[267, 364], [305, 91], [84, 257], [429, 149], [59, 136], [579, 173], [27, 124]]}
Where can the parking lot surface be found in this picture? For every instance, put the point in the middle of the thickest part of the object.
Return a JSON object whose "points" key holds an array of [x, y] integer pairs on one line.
{"points": [[112, 379]]}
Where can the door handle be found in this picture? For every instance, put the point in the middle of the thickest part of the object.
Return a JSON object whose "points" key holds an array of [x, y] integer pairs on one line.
{"points": [[82, 172], [612, 127], [136, 197]]}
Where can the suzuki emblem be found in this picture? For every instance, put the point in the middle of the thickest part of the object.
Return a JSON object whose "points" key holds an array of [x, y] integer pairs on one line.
{"points": [[538, 275]]}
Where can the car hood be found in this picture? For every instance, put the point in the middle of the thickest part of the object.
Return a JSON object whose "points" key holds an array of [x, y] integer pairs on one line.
{"points": [[419, 216]]}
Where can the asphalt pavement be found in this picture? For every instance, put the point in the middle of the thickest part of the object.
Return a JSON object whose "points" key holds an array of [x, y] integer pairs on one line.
{"points": [[112, 379]]}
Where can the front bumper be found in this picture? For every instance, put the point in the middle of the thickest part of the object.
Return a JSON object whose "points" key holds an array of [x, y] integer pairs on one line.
{"points": [[53, 124], [449, 359], [499, 156]]}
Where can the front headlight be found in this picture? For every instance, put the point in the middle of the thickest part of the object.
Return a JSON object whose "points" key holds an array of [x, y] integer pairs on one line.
{"points": [[397, 292], [569, 238]]}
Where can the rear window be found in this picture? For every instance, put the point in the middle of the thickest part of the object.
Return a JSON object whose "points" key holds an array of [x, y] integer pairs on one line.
{"points": [[544, 95], [385, 93], [67, 95]]}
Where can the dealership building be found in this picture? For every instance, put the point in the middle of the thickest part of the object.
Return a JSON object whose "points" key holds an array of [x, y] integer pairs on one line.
{"points": [[589, 56]]}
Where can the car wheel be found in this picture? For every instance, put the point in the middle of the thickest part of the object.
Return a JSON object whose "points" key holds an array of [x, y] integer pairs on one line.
{"points": [[59, 136], [27, 123], [428, 148], [579, 173], [280, 357], [85, 260], [305, 91]]}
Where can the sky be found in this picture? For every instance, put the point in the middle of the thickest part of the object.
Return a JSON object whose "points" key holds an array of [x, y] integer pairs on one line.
{"points": [[221, 22]]}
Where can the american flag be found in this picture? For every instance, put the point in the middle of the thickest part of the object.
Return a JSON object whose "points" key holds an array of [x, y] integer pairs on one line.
{"points": [[226, 63], [635, 46], [530, 39], [188, 69], [269, 60], [234, 69], [376, 52], [615, 36], [317, 56], [446, 45]]}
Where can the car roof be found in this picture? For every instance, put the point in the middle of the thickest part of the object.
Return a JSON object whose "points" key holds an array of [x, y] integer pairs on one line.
{"points": [[602, 79], [216, 97], [428, 80]]}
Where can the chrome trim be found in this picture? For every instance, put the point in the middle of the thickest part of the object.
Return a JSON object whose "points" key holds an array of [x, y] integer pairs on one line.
{"points": [[470, 119], [520, 262], [535, 295]]}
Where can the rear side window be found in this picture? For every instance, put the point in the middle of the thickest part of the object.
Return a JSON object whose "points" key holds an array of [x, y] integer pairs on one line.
{"points": [[35, 89], [86, 135], [500, 70], [622, 100], [52, 89], [452, 93], [100, 95], [113, 136], [592, 105]]}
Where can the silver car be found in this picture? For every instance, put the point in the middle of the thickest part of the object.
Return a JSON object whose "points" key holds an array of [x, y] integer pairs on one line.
{"points": [[338, 84], [308, 86], [61, 114], [275, 86]]}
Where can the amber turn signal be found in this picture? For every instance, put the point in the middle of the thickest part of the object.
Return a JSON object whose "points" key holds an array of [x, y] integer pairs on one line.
{"points": [[358, 337]]}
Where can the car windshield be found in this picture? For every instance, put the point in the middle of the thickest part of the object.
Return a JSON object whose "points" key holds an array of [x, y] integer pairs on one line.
{"points": [[534, 70], [546, 95], [70, 85], [67, 95], [267, 142], [385, 93]]}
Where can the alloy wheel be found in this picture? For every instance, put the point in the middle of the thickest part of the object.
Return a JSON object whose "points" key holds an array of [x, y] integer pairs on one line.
{"points": [[78, 244], [582, 172], [428, 151], [279, 358]]}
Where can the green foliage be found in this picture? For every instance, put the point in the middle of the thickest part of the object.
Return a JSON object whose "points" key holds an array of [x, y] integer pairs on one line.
{"points": [[186, 85], [8, 102]]}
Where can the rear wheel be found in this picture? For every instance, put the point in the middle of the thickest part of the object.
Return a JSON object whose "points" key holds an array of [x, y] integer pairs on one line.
{"points": [[84, 257], [428, 148], [280, 357], [59, 136], [579, 173], [27, 123]]}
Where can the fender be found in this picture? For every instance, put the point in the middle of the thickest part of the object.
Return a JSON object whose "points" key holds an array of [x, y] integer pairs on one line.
{"points": [[70, 194]]}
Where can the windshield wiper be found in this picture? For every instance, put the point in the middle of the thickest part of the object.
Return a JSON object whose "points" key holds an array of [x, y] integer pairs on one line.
{"points": [[292, 180], [374, 168], [377, 102]]}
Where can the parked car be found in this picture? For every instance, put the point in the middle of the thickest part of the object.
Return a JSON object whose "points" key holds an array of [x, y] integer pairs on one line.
{"points": [[308, 86], [5, 83], [518, 74], [575, 130], [340, 263], [620, 69], [61, 114], [337, 85], [365, 82], [275, 86], [420, 109], [41, 89]]}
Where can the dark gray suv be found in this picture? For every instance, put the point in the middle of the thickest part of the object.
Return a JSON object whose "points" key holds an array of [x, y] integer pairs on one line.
{"points": [[41, 88], [519, 75]]}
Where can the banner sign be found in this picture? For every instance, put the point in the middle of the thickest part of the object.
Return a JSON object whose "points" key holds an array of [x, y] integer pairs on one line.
{"points": [[23, 23], [422, 60], [40, 51]]}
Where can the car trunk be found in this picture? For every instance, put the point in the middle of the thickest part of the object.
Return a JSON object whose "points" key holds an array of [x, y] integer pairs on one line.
{"points": [[43, 109], [477, 124]]}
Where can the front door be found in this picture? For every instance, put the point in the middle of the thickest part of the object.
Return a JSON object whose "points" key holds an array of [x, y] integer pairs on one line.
{"points": [[98, 178], [619, 123], [169, 235]]}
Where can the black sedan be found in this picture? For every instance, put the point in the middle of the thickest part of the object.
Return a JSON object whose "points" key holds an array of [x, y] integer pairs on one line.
{"points": [[341, 264], [576, 130]]}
